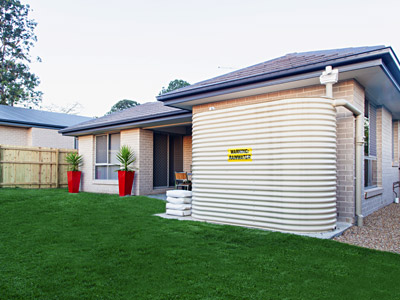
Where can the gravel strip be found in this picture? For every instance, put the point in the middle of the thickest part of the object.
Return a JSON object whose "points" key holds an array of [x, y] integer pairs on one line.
{"points": [[381, 231]]}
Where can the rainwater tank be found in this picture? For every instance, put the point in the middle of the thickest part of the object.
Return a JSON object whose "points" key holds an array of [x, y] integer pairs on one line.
{"points": [[270, 165]]}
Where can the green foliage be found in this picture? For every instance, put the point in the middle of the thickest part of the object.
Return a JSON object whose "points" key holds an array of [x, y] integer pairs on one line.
{"points": [[126, 157], [174, 85], [122, 105], [101, 246], [366, 136], [75, 160], [17, 83]]}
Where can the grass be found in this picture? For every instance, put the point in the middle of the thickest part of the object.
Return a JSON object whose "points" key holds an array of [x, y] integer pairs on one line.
{"points": [[55, 245]]}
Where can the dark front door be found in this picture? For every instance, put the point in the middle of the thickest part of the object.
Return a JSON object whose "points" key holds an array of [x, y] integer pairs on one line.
{"points": [[160, 160], [167, 159], [175, 157]]}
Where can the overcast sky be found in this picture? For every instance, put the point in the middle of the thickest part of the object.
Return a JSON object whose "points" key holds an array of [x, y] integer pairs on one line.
{"points": [[99, 52]]}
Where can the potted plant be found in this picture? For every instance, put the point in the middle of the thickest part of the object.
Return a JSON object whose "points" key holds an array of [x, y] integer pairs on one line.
{"points": [[126, 174], [74, 175]]}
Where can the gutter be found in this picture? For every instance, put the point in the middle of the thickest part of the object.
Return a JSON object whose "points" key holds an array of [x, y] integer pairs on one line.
{"points": [[31, 124], [122, 124]]}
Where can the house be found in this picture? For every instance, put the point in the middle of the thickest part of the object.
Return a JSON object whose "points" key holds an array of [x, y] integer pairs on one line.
{"points": [[28, 127], [278, 145], [159, 135]]}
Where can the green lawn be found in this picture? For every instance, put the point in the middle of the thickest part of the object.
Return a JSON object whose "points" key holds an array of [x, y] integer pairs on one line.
{"points": [[55, 245]]}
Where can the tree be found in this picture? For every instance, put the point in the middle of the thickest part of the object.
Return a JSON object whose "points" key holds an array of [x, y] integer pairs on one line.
{"points": [[174, 85], [17, 83], [121, 105], [72, 108]]}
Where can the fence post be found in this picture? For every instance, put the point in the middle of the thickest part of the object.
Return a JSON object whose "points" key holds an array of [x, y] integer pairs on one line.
{"points": [[57, 169], [40, 167]]}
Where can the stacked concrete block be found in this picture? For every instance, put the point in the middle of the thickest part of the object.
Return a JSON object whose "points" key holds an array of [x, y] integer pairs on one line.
{"points": [[179, 203]]}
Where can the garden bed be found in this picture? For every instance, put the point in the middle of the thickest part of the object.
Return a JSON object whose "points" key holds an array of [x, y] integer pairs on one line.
{"points": [[381, 230]]}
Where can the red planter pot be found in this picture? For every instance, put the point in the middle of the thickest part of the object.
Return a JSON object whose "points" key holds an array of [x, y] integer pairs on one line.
{"points": [[74, 180], [125, 182]]}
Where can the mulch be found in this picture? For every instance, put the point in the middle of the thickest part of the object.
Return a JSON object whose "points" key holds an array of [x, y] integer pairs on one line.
{"points": [[381, 231]]}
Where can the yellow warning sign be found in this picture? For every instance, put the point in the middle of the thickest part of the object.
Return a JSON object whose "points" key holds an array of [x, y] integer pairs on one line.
{"points": [[239, 154]]}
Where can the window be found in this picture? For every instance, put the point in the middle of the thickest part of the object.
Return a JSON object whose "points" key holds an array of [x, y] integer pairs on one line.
{"points": [[393, 150], [395, 143], [106, 162], [370, 167]]}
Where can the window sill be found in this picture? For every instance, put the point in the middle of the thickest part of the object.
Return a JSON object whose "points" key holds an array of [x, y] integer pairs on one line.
{"points": [[395, 164], [372, 192], [105, 182]]}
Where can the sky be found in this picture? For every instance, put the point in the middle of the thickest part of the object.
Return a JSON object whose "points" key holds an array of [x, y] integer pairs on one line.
{"points": [[99, 52]]}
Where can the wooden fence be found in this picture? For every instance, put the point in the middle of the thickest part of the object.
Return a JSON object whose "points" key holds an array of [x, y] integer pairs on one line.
{"points": [[33, 167]]}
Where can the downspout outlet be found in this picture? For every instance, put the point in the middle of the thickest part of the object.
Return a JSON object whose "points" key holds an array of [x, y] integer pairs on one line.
{"points": [[329, 77]]}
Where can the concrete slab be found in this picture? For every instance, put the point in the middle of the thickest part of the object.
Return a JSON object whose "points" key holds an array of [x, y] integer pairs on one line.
{"points": [[340, 227], [183, 218]]}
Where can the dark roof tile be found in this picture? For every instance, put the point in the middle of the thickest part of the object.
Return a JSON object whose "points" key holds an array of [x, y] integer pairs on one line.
{"points": [[146, 110], [26, 117], [289, 61]]}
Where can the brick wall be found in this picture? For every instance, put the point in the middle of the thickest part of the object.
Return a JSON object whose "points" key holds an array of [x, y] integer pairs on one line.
{"points": [[343, 90], [141, 142], [387, 168], [131, 138], [16, 136], [349, 90], [187, 153], [145, 162]]}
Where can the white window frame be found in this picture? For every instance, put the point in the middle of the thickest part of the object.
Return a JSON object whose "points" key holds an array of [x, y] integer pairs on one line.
{"points": [[108, 164]]}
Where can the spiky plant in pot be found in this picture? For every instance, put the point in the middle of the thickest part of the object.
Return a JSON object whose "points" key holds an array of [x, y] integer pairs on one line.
{"points": [[74, 175], [126, 174], [75, 160], [126, 157]]}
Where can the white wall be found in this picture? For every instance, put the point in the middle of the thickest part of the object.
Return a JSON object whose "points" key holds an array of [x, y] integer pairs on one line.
{"points": [[42, 137], [36, 137], [16, 136]]}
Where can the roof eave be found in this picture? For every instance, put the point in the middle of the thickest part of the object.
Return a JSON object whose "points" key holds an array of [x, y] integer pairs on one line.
{"points": [[174, 97], [30, 124], [131, 123]]}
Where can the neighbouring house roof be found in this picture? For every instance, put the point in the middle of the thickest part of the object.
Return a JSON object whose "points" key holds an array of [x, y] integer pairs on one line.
{"points": [[136, 116], [24, 117]]}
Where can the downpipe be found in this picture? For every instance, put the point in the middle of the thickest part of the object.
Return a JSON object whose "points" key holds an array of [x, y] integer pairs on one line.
{"points": [[330, 77], [359, 152]]}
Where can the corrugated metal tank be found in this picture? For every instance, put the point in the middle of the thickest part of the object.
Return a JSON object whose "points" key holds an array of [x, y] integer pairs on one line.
{"points": [[290, 182]]}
